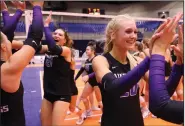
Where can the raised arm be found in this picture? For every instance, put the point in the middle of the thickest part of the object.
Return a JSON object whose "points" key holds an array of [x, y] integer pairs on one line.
{"points": [[59, 50], [118, 85], [160, 103], [10, 22], [12, 69]]}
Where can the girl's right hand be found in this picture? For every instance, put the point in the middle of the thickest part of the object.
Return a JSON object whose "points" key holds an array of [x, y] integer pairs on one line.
{"points": [[48, 20]]}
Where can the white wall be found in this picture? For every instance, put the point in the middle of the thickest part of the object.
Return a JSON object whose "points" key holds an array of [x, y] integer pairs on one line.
{"points": [[151, 9]]}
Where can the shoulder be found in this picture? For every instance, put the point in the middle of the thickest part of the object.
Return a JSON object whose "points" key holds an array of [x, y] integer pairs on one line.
{"points": [[99, 61], [66, 52], [67, 49], [99, 58]]}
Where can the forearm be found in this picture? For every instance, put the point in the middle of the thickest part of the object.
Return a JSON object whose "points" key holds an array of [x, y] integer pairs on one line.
{"points": [[124, 83], [37, 24], [5, 16], [172, 112], [174, 79], [49, 39], [158, 93], [11, 23], [79, 73], [19, 60]]}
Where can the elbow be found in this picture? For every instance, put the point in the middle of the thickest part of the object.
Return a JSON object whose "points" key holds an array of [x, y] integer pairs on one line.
{"points": [[155, 110], [152, 109]]}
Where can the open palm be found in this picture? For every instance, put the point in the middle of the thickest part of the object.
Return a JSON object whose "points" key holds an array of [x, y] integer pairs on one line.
{"points": [[167, 33], [48, 19], [37, 3], [19, 5], [3, 6]]}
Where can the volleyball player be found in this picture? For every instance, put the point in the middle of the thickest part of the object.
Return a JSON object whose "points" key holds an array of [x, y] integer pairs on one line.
{"points": [[139, 50], [160, 103], [117, 75], [91, 83], [12, 66], [180, 86], [57, 91], [142, 83], [10, 22], [120, 96], [84, 70], [168, 66]]}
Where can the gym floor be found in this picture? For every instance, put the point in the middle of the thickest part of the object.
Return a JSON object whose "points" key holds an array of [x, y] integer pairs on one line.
{"points": [[32, 81]]}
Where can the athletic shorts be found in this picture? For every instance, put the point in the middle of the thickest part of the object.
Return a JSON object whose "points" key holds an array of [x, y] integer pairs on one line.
{"points": [[53, 98], [93, 82]]}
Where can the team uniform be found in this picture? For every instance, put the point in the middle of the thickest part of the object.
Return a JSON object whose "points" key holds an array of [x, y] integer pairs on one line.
{"points": [[12, 111], [167, 69], [88, 68], [120, 110], [74, 89], [56, 78], [160, 91]]}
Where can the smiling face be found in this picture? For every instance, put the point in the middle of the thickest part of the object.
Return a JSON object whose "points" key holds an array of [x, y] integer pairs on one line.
{"points": [[121, 32], [59, 37], [126, 35], [89, 51]]}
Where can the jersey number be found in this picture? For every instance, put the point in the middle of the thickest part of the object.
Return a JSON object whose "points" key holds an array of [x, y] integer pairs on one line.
{"points": [[49, 62], [132, 92], [4, 109]]}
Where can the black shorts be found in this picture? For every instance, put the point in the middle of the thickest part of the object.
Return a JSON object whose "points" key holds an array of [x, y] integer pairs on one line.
{"points": [[93, 82], [74, 89], [53, 98]]}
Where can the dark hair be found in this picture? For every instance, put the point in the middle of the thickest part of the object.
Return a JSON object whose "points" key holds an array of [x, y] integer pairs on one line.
{"points": [[146, 42], [139, 46], [92, 44], [100, 46]]}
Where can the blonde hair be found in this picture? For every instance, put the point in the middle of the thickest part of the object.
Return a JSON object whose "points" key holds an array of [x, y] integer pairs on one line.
{"points": [[111, 29]]}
